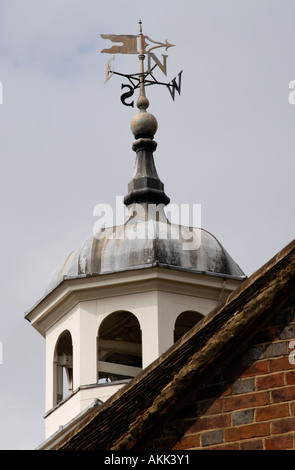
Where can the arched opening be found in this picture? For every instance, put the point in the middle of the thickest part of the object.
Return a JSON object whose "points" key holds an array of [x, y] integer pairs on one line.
{"points": [[63, 367], [184, 322], [119, 347]]}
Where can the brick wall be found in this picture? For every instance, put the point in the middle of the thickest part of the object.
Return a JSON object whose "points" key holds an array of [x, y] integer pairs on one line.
{"points": [[249, 405]]}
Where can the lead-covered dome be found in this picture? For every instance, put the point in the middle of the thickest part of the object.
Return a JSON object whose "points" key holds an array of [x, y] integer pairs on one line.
{"points": [[150, 243]]}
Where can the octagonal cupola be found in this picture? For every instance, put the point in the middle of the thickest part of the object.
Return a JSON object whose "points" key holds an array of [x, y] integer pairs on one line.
{"points": [[127, 293]]}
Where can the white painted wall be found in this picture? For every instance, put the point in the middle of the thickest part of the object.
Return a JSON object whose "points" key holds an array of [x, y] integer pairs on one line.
{"points": [[155, 308]]}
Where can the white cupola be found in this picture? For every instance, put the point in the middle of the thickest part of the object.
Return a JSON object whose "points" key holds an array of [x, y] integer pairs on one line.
{"points": [[126, 294]]}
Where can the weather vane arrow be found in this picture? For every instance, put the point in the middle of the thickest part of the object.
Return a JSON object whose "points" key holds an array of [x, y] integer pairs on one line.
{"points": [[130, 44], [141, 45]]}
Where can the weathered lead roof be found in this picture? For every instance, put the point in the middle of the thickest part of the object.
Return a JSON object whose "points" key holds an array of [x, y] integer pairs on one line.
{"points": [[116, 251], [142, 404]]}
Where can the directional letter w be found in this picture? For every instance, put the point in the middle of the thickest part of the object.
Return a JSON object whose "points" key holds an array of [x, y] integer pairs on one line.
{"points": [[172, 86]]}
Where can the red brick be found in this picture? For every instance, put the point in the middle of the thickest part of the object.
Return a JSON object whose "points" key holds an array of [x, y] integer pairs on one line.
{"points": [[257, 368], [283, 394], [246, 432], [249, 400], [266, 413], [292, 408], [255, 444], [231, 446], [212, 422], [187, 442], [279, 442], [283, 425], [290, 377], [210, 407], [280, 363], [270, 381]]}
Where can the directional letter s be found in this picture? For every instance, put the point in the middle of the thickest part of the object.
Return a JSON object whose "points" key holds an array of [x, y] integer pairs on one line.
{"points": [[127, 95]]}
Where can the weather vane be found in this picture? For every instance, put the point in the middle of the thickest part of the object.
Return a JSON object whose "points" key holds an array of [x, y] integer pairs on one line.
{"points": [[140, 45]]}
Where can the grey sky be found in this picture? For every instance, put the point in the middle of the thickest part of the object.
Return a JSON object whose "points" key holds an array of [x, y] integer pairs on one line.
{"points": [[226, 143]]}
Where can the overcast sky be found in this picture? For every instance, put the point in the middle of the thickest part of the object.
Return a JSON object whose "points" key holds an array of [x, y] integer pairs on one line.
{"points": [[226, 143]]}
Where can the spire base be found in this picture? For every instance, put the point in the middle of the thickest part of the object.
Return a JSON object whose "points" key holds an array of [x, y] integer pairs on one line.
{"points": [[145, 186]]}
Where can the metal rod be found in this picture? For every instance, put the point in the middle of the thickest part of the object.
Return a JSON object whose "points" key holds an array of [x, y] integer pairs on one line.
{"points": [[142, 102]]}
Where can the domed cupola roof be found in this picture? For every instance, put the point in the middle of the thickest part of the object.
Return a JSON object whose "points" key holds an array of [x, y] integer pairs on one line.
{"points": [[147, 238], [117, 251]]}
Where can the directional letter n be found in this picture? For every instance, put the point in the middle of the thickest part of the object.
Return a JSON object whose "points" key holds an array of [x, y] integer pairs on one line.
{"points": [[163, 66]]}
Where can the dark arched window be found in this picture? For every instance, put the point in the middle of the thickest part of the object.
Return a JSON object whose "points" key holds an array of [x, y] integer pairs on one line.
{"points": [[184, 322], [119, 347], [63, 367]]}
